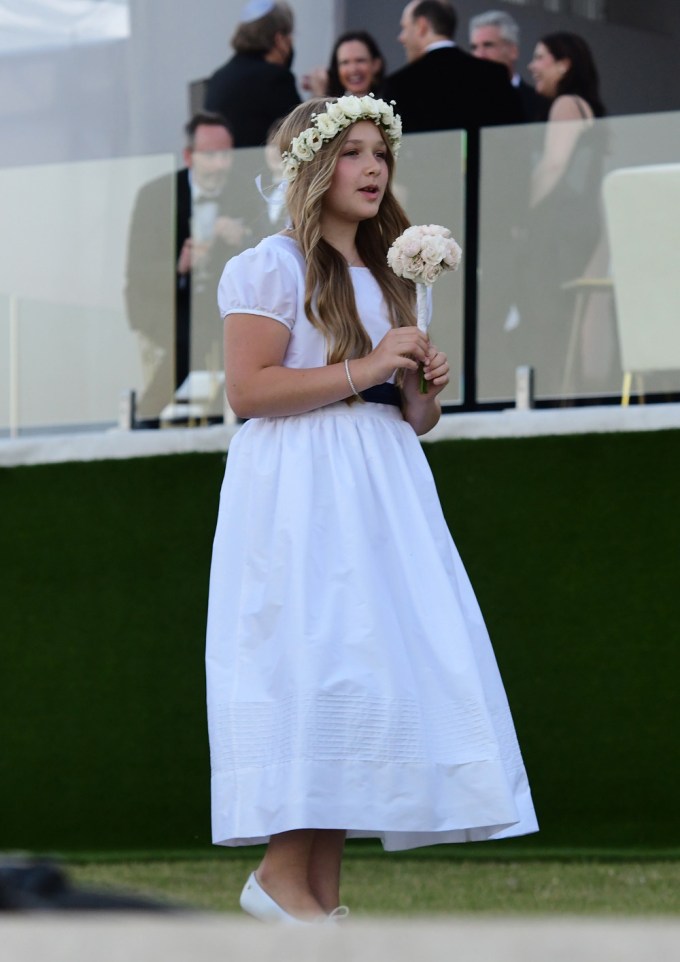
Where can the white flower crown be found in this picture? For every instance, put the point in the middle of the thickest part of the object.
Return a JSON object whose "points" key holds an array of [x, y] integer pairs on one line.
{"points": [[339, 115]]}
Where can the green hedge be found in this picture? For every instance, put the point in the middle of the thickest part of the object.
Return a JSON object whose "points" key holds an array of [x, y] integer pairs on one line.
{"points": [[572, 544]]}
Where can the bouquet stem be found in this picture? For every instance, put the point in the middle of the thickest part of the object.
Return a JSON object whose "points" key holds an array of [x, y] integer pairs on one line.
{"points": [[421, 323]]}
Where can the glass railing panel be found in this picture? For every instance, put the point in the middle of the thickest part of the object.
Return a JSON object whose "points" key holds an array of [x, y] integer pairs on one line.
{"points": [[549, 295], [88, 282], [428, 183], [69, 348]]}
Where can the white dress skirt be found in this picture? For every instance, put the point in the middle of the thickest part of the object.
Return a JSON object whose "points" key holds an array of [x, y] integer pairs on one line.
{"points": [[351, 681]]}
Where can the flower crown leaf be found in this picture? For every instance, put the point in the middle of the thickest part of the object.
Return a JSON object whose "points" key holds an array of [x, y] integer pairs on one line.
{"points": [[339, 115]]}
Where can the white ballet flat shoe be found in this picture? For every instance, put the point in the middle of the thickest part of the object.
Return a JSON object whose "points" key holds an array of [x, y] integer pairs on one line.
{"points": [[255, 901], [338, 915]]}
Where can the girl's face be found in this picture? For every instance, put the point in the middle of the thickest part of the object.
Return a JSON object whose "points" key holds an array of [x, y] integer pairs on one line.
{"points": [[360, 176], [357, 70], [546, 71]]}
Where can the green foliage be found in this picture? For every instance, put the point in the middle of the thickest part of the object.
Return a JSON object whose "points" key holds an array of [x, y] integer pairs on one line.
{"points": [[103, 718], [571, 544]]}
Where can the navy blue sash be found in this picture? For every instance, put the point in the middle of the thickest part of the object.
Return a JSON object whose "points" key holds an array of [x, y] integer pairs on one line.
{"points": [[382, 394]]}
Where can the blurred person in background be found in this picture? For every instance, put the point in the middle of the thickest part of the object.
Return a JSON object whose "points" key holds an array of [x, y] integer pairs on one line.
{"points": [[207, 230], [356, 67], [494, 35], [565, 227], [256, 87], [564, 72], [442, 87]]}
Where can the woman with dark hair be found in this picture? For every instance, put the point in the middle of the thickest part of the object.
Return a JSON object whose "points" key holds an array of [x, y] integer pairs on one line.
{"points": [[565, 221], [564, 72], [356, 67], [563, 65]]}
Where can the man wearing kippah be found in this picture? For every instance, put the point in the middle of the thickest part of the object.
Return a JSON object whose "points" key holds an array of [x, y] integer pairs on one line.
{"points": [[256, 87]]}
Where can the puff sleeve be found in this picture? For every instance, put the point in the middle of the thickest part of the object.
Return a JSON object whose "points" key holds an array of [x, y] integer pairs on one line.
{"points": [[262, 280]]}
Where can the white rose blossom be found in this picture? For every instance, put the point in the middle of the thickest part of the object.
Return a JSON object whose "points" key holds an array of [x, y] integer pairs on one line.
{"points": [[352, 107], [370, 108], [301, 148], [326, 126], [335, 111], [314, 139]]}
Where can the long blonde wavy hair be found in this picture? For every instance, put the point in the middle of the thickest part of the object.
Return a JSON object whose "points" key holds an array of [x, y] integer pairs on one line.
{"points": [[329, 295]]}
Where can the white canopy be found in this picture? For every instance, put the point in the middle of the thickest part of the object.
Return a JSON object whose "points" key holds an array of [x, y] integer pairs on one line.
{"points": [[30, 25]]}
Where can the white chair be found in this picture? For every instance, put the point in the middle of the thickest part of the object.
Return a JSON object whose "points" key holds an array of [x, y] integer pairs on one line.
{"points": [[642, 207], [198, 399]]}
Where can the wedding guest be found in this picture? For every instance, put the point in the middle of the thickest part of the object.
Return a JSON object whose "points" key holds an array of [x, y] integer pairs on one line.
{"points": [[564, 71], [442, 87], [494, 35], [565, 223], [356, 67], [352, 687], [194, 214], [256, 87]]}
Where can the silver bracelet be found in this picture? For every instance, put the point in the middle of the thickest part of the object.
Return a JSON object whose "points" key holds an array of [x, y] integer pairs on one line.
{"points": [[349, 378]]}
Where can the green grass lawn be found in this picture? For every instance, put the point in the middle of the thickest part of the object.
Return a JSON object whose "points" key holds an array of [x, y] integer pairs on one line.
{"points": [[394, 885]]}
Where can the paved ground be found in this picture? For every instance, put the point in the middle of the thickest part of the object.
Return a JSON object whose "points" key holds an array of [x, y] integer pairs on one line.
{"points": [[123, 937]]}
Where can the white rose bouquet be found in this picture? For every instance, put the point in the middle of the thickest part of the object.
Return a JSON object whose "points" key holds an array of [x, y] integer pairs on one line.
{"points": [[421, 254]]}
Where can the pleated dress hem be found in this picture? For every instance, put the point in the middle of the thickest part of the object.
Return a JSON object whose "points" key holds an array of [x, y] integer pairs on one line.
{"points": [[471, 802]]}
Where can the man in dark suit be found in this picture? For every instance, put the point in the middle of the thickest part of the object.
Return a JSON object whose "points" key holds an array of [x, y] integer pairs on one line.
{"points": [[494, 35], [256, 87], [184, 228], [442, 87]]}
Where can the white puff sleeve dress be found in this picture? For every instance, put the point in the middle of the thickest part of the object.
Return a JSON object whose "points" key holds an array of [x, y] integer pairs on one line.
{"points": [[351, 682]]}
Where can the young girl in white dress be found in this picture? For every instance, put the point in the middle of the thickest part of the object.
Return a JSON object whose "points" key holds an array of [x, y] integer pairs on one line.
{"points": [[352, 688]]}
